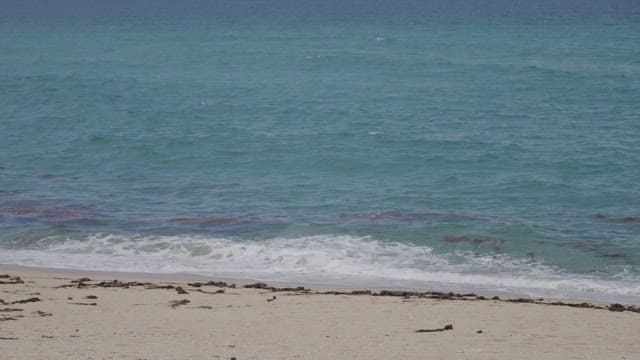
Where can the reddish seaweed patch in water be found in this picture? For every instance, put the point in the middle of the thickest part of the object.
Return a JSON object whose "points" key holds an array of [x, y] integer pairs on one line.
{"points": [[51, 213]]}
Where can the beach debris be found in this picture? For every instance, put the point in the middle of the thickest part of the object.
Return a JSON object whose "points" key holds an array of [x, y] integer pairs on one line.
{"points": [[92, 297], [271, 299], [445, 328], [300, 290], [577, 305], [272, 288], [220, 291], [479, 332], [118, 284], [258, 286], [11, 280], [175, 303], [10, 318], [7, 338], [33, 299], [83, 283], [80, 303], [47, 336], [212, 283], [205, 307], [10, 310], [42, 313], [155, 287], [616, 307], [522, 300], [436, 295], [361, 292]]}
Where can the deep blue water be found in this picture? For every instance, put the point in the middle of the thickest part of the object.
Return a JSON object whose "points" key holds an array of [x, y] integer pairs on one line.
{"points": [[486, 145]]}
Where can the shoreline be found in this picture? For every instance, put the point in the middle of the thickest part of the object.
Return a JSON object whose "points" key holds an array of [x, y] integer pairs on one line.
{"points": [[191, 277], [131, 316], [275, 286]]}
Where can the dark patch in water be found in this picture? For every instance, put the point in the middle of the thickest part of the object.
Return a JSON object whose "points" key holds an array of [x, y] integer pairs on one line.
{"points": [[8, 194], [47, 176], [52, 213], [415, 216], [597, 249], [391, 215], [613, 255], [483, 241], [585, 245], [622, 220], [133, 179], [629, 219], [206, 220]]}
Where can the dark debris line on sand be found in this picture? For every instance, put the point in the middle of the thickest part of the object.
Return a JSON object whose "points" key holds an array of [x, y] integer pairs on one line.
{"points": [[436, 295], [175, 303], [445, 328], [11, 280], [24, 301], [10, 310]]}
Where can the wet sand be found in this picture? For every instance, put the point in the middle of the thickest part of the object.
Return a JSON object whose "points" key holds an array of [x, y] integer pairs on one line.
{"points": [[54, 314]]}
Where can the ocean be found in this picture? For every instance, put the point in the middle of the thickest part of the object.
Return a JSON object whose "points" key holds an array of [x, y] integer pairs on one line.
{"points": [[489, 146]]}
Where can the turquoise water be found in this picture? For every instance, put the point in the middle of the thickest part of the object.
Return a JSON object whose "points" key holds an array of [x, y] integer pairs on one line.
{"points": [[441, 145]]}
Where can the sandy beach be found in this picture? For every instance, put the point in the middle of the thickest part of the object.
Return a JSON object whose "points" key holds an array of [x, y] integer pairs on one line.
{"points": [[53, 314]]}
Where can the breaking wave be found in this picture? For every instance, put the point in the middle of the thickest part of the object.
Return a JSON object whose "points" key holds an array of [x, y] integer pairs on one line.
{"points": [[328, 260]]}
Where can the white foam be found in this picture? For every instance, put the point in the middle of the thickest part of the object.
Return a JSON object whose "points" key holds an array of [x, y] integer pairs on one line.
{"points": [[337, 260]]}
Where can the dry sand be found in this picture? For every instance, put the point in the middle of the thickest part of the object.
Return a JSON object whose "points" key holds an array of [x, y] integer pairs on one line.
{"points": [[85, 321]]}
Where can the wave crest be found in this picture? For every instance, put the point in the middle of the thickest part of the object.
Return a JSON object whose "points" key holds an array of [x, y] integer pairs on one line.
{"points": [[333, 260]]}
